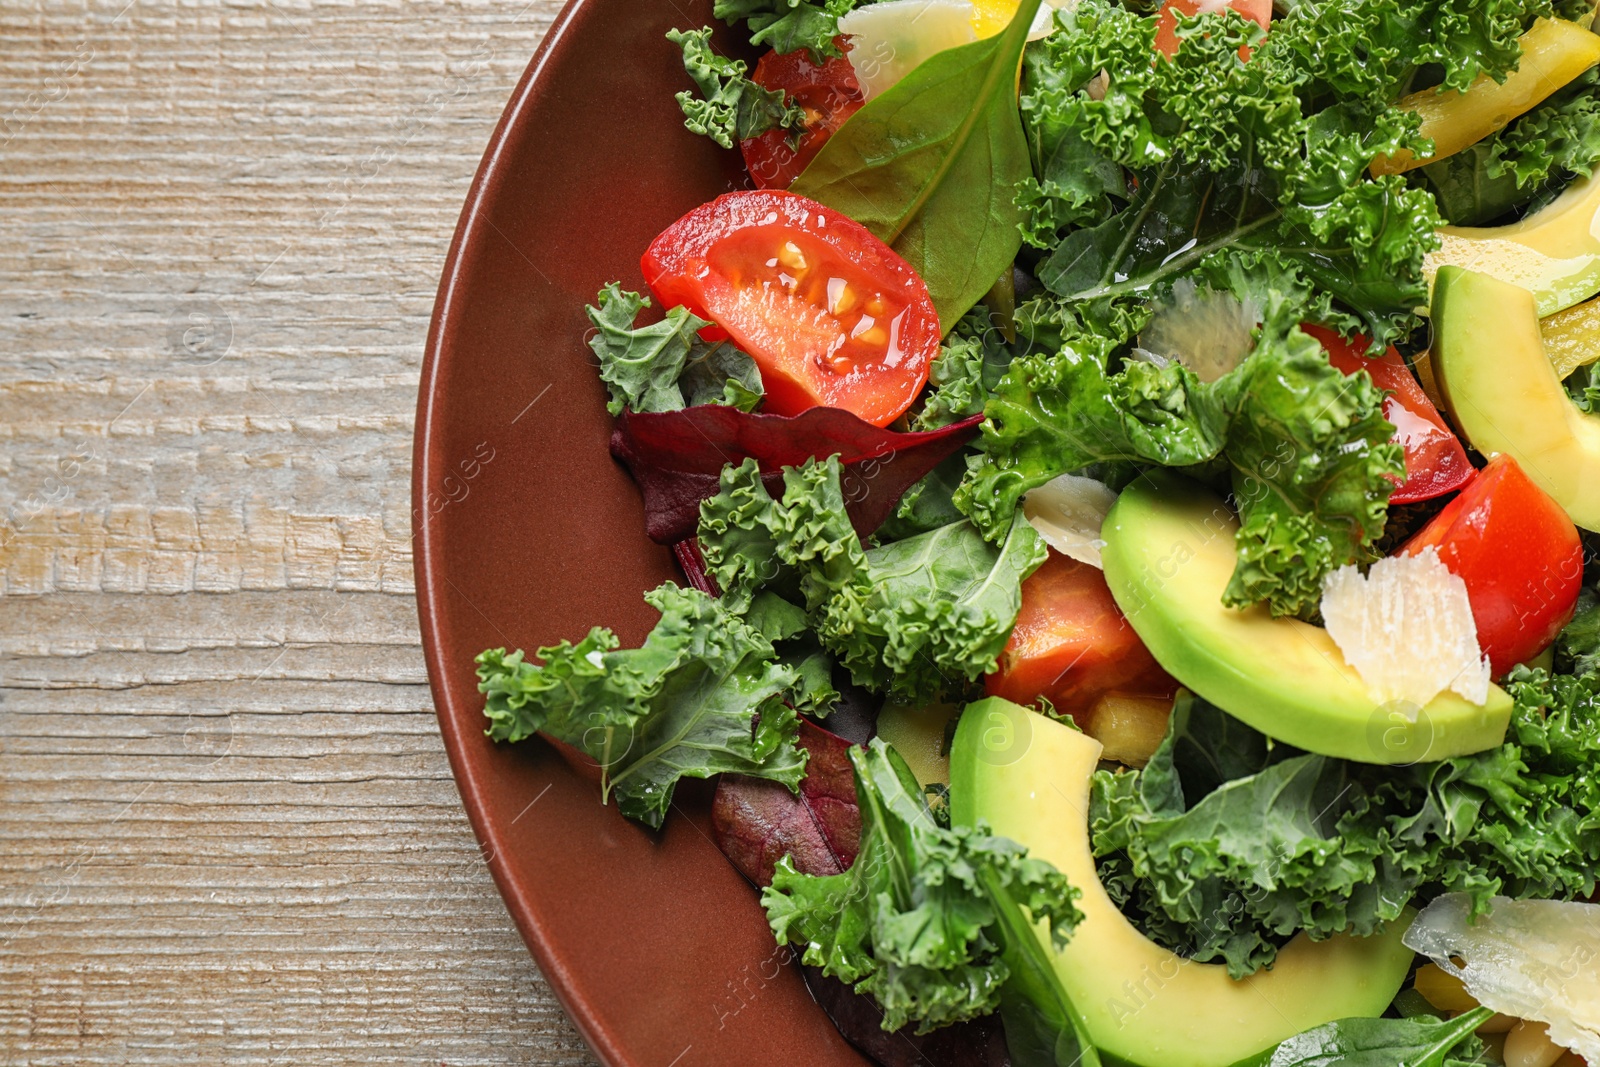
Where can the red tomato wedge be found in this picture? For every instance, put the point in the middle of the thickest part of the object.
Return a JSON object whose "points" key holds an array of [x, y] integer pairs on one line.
{"points": [[831, 315], [1436, 463], [829, 94], [1072, 644], [1520, 556], [1167, 41]]}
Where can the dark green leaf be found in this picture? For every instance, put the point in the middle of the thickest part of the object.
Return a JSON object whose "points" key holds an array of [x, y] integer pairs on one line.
{"points": [[703, 695], [932, 167], [641, 366], [1325, 846], [925, 918], [730, 108], [932, 611], [719, 373], [789, 25], [1418, 1042]]}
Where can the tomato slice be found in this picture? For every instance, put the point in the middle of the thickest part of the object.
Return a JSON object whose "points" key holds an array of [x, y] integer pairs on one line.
{"points": [[1436, 463], [1520, 556], [1072, 644], [831, 315], [829, 94], [1167, 19]]}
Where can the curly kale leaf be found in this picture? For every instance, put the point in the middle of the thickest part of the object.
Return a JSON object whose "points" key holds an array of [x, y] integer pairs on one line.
{"points": [[1313, 468], [660, 366], [789, 25], [1527, 161], [1303, 842], [1383, 44], [911, 617], [1148, 173], [731, 108], [1054, 414], [924, 920], [1308, 448], [805, 540], [703, 695], [970, 364], [932, 610]]}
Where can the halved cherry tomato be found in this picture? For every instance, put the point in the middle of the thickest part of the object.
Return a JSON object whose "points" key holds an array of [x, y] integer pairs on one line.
{"points": [[1520, 556], [831, 315], [1436, 463], [1072, 644], [1167, 19], [828, 94]]}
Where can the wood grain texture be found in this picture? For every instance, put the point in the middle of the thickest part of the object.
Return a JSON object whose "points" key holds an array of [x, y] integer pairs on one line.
{"points": [[228, 832]]}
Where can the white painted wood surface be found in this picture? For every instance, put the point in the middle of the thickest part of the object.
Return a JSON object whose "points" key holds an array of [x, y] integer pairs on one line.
{"points": [[228, 832]]}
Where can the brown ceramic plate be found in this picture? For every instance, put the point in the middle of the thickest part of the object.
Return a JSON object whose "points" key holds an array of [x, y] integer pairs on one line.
{"points": [[527, 532]]}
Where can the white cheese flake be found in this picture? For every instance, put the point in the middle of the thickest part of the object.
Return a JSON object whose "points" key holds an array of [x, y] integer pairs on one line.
{"points": [[1407, 629], [1068, 513], [1533, 959]]}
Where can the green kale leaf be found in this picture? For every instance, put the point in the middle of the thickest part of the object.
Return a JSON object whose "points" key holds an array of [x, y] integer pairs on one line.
{"points": [[1313, 468], [660, 366], [730, 108], [1308, 448], [1293, 842], [930, 921], [805, 541], [789, 25], [1149, 173], [703, 695], [1528, 161], [910, 617], [931, 610]]}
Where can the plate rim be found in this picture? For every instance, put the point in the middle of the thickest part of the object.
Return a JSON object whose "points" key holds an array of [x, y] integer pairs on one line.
{"points": [[527, 93]]}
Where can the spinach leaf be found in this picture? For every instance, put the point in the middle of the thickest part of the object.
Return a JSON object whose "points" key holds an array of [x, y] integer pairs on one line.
{"points": [[1418, 1042], [932, 167]]}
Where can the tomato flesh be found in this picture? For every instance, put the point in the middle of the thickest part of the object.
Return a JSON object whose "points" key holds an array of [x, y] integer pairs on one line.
{"points": [[829, 94], [1072, 644], [1167, 40], [1519, 555], [1436, 463], [831, 315]]}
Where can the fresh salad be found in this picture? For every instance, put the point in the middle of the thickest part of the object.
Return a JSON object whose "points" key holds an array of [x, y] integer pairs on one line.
{"points": [[1136, 471]]}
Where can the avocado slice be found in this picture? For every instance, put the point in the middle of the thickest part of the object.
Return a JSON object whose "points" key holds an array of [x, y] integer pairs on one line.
{"points": [[1503, 392], [1168, 556], [1028, 778], [1554, 254]]}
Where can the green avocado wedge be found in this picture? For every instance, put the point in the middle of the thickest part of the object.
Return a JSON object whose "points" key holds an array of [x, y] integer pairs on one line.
{"points": [[1028, 778], [1490, 362], [1554, 254], [1169, 552]]}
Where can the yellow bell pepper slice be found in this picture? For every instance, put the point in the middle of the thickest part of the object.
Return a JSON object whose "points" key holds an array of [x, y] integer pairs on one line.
{"points": [[1553, 53], [1572, 337]]}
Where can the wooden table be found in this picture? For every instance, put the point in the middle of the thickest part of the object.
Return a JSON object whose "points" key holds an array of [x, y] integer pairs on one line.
{"points": [[228, 832]]}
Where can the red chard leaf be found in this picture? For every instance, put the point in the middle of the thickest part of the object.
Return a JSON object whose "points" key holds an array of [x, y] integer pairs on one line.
{"points": [[758, 822], [677, 457]]}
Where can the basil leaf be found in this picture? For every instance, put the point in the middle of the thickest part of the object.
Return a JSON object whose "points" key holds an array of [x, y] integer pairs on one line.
{"points": [[932, 167]]}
